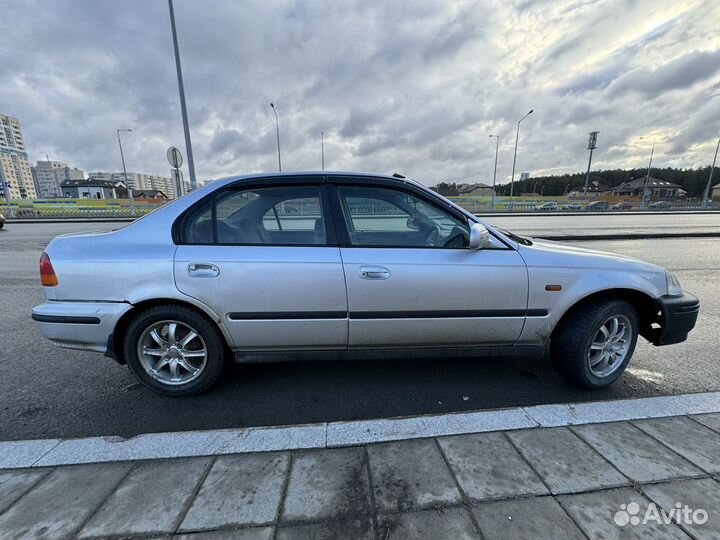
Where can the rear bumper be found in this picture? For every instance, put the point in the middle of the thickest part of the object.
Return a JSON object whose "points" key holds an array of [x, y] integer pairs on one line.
{"points": [[79, 325], [679, 315]]}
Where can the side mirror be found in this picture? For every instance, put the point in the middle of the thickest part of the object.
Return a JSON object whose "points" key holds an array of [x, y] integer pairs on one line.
{"points": [[479, 236], [412, 223]]}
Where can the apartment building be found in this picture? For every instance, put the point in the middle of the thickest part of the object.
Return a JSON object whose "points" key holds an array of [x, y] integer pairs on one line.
{"points": [[14, 165], [49, 175]]}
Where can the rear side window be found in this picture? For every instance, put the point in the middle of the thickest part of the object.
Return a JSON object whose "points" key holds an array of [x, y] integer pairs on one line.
{"points": [[287, 215]]}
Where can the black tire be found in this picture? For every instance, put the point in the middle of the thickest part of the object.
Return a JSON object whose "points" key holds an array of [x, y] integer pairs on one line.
{"points": [[203, 326], [571, 342]]}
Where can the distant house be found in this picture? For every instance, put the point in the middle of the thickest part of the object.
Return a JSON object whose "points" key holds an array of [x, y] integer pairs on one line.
{"points": [[595, 189], [148, 194], [715, 192], [89, 189], [474, 190], [660, 189]]}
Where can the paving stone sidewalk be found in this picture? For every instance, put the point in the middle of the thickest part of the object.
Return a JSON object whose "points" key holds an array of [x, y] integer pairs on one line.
{"points": [[544, 483]]}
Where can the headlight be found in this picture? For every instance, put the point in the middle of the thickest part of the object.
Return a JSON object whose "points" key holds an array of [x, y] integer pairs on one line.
{"points": [[673, 285]]}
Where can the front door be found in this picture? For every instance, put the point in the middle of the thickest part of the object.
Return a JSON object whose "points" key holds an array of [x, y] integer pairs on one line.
{"points": [[413, 282], [264, 258]]}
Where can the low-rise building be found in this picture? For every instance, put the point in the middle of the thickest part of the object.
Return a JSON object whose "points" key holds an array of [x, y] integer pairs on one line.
{"points": [[657, 188], [715, 192], [595, 189], [89, 189], [139, 181], [148, 194]]}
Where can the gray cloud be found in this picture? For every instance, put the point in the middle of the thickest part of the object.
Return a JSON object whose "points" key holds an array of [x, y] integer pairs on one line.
{"points": [[411, 87]]}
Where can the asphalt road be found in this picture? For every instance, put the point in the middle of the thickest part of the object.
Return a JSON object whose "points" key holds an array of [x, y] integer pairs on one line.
{"points": [[49, 392], [594, 224]]}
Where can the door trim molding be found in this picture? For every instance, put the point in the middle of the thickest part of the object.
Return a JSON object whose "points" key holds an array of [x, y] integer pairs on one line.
{"points": [[374, 315]]}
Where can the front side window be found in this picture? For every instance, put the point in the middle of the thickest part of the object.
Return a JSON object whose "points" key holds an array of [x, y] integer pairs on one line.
{"points": [[383, 217], [287, 215]]}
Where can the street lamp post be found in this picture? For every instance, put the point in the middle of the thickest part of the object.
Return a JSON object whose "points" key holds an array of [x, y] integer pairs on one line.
{"points": [[277, 133], [127, 185], [592, 145], [322, 149], [643, 204], [183, 107], [712, 170], [497, 147], [512, 178]]}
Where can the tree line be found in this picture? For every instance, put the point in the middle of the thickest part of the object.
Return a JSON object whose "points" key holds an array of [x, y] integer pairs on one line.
{"points": [[692, 180]]}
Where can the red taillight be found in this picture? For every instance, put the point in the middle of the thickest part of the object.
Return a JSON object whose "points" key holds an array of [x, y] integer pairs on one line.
{"points": [[47, 273]]}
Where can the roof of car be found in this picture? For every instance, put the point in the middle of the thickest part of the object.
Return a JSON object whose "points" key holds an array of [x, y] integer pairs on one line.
{"points": [[250, 177]]}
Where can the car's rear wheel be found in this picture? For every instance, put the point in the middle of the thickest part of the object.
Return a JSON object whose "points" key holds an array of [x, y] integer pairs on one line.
{"points": [[173, 350], [594, 345]]}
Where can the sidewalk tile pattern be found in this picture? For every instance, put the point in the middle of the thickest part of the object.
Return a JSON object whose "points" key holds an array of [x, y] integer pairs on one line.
{"points": [[239, 490], [595, 514], [564, 461], [410, 475], [59, 505], [14, 484], [701, 494], [538, 483], [695, 442], [328, 484], [634, 453], [357, 529], [488, 467], [438, 524], [151, 500], [539, 518]]}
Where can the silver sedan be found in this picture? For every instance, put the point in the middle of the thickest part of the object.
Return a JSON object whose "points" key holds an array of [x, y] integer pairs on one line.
{"points": [[343, 264]]}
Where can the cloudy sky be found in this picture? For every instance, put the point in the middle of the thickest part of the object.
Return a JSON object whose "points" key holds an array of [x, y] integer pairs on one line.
{"points": [[414, 87]]}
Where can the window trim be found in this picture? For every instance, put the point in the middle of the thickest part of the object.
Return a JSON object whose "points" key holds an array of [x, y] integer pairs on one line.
{"points": [[341, 226], [296, 182]]}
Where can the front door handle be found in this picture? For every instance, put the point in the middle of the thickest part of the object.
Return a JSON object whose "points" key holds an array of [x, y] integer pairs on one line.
{"points": [[203, 270], [374, 272]]}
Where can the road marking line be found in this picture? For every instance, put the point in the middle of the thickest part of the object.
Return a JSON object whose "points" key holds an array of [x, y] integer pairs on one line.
{"points": [[53, 452]]}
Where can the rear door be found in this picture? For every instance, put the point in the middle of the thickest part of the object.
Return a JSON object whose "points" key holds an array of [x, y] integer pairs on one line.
{"points": [[264, 256], [411, 279]]}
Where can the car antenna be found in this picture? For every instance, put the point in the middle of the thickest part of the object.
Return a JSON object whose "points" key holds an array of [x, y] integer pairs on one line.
{"points": [[398, 175]]}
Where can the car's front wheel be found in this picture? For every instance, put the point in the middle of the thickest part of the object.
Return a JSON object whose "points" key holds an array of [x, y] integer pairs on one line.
{"points": [[593, 346], [173, 350]]}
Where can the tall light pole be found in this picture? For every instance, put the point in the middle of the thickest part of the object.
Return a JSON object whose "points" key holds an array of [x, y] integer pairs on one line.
{"points": [[277, 132], [712, 170], [497, 147], [183, 107], [643, 203], [592, 145], [127, 185], [322, 149], [512, 178]]}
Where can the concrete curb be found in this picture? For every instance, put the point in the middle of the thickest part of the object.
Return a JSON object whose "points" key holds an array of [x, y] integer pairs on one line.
{"points": [[54, 452]]}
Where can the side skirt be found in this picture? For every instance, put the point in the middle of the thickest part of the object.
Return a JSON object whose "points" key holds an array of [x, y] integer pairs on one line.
{"points": [[532, 351]]}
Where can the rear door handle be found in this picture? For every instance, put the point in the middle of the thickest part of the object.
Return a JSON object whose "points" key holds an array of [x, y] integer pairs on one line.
{"points": [[374, 272], [203, 270]]}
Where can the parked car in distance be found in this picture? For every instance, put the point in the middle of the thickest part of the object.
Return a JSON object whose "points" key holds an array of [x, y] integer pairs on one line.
{"points": [[660, 205], [571, 206], [547, 206], [2, 221], [365, 265], [622, 205], [598, 205]]}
